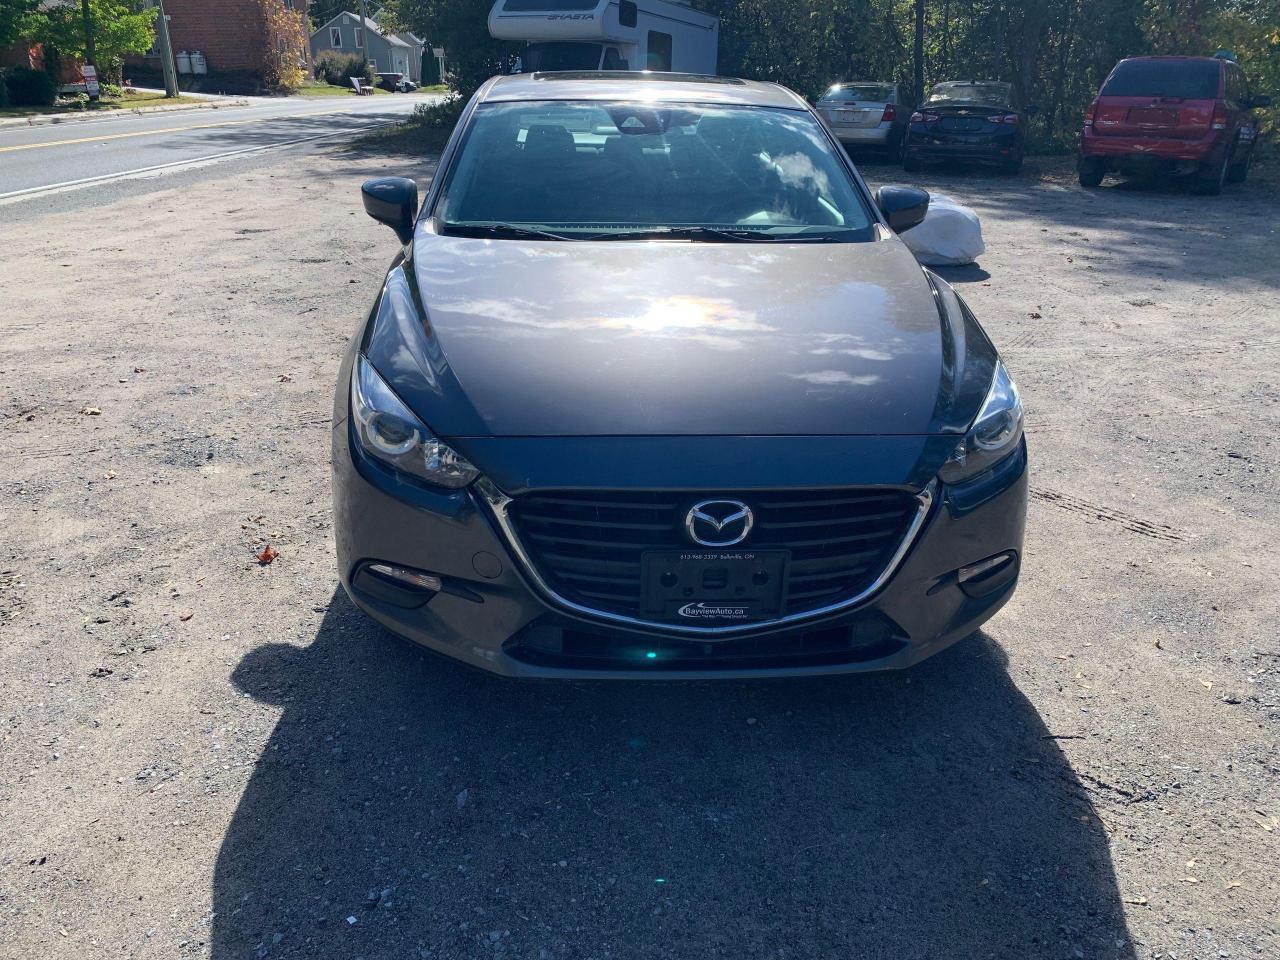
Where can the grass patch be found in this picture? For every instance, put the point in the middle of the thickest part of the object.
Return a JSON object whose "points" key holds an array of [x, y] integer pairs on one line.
{"points": [[81, 104], [330, 90]]}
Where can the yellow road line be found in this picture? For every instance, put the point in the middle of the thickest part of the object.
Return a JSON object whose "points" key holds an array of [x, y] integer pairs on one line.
{"points": [[149, 133]]}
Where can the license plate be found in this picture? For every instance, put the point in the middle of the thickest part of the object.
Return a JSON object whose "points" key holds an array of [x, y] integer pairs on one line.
{"points": [[850, 116], [1153, 117], [713, 586], [961, 124]]}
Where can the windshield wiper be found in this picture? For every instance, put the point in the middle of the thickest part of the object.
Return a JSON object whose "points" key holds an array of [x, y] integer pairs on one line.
{"points": [[503, 230], [705, 234]]}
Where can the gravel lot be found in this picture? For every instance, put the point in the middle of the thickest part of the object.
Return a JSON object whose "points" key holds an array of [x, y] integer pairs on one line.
{"points": [[203, 756]]}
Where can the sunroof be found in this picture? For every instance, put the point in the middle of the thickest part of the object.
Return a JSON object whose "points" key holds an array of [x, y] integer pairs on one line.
{"points": [[634, 75]]}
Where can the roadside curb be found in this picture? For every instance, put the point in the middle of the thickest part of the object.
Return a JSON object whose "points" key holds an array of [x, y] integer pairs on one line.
{"points": [[44, 119]]}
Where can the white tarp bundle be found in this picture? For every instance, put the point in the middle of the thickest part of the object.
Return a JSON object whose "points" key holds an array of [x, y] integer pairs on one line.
{"points": [[949, 236]]}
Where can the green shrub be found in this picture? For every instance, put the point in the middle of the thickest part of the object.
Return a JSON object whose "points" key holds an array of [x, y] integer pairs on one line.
{"points": [[442, 115], [30, 88], [4, 90], [337, 68]]}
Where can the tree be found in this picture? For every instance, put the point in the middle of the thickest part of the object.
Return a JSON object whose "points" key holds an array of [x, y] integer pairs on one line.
{"points": [[917, 53], [322, 11], [16, 20], [286, 33], [462, 28], [119, 30]]}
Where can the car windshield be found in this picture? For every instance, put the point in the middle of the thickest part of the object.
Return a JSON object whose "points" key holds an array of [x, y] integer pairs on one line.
{"points": [[614, 170], [986, 94], [1172, 79], [880, 92]]}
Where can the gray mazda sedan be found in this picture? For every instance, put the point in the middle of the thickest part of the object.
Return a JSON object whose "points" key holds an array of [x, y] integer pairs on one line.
{"points": [[653, 389]]}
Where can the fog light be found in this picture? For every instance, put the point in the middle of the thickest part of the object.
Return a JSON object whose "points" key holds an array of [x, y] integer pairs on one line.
{"points": [[989, 575], [976, 570], [412, 578]]}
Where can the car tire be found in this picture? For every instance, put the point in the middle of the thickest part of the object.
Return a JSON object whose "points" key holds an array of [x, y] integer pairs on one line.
{"points": [[1239, 172], [1090, 172], [1211, 184]]}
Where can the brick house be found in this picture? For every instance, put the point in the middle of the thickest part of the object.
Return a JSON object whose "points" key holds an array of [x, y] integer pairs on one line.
{"points": [[230, 33]]}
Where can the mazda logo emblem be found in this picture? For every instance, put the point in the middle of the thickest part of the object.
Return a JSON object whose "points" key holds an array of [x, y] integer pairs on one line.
{"points": [[719, 523]]}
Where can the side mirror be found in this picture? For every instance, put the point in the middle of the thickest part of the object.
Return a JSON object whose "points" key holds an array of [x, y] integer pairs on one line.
{"points": [[903, 207], [393, 201], [1259, 100]]}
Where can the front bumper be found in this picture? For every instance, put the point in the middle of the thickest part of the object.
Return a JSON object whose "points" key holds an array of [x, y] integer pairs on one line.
{"points": [[491, 616]]}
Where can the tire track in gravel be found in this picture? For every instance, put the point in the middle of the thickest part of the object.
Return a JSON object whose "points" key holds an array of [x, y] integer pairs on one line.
{"points": [[1093, 511]]}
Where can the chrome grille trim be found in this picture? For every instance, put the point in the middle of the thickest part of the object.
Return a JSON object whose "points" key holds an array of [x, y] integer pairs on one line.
{"points": [[498, 504]]}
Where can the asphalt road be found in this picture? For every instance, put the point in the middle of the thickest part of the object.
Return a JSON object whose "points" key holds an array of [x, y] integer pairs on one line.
{"points": [[92, 158]]}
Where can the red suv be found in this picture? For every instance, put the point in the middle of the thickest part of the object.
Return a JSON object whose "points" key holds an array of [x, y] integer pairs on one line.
{"points": [[1183, 115]]}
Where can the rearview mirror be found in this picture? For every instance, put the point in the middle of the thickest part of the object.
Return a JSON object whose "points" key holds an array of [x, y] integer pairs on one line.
{"points": [[393, 201], [903, 207]]}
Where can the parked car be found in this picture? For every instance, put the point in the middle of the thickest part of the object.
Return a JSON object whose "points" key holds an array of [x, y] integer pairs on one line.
{"points": [[396, 83], [654, 389], [867, 114], [1172, 115], [967, 120]]}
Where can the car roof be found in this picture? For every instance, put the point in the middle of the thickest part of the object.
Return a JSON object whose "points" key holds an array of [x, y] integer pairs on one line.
{"points": [[972, 83], [1172, 57], [639, 85]]}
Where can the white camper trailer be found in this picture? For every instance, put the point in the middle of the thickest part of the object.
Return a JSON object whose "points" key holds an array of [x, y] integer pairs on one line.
{"points": [[660, 35]]}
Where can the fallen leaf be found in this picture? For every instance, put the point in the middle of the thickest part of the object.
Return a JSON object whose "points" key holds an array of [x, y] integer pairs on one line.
{"points": [[1159, 645], [186, 616], [1208, 685], [1136, 901], [1035, 316], [91, 411], [1188, 879], [266, 555], [1232, 884], [139, 369], [285, 378], [109, 475], [1191, 863]]}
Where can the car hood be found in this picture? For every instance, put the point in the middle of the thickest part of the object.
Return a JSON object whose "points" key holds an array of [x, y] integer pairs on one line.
{"points": [[663, 338]]}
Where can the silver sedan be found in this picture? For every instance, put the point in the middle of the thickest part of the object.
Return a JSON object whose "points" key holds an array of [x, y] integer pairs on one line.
{"points": [[866, 114]]}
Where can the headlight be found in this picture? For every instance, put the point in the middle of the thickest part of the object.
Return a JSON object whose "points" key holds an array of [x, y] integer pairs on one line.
{"points": [[390, 432], [994, 435]]}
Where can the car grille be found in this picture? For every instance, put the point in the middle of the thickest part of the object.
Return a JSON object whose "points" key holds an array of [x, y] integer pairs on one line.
{"points": [[587, 546]]}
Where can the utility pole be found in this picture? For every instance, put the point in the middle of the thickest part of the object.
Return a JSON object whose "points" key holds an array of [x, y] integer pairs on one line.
{"points": [[364, 36], [90, 54], [166, 52]]}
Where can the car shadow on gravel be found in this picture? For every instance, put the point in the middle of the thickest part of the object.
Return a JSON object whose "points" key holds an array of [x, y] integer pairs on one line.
{"points": [[406, 806]]}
